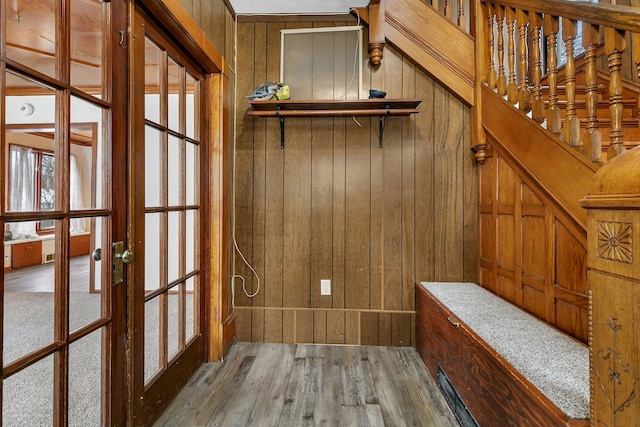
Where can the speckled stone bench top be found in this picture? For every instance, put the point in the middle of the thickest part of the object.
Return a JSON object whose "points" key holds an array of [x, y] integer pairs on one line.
{"points": [[553, 362]]}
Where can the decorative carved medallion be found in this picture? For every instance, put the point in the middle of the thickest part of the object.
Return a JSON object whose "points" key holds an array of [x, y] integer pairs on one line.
{"points": [[614, 241], [618, 382]]}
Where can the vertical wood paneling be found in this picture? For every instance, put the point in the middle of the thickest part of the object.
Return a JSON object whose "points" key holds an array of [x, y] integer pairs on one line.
{"points": [[304, 326], [335, 327], [259, 202], [384, 329], [321, 208], [332, 205], [369, 328], [392, 177], [244, 170], [212, 17], [273, 326], [339, 213], [288, 326], [274, 185], [358, 215], [470, 202], [257, 324], [377, 80], [320, 327], [352, 328], [408, 191], [537, 258], [449, 167], [424, 230]]}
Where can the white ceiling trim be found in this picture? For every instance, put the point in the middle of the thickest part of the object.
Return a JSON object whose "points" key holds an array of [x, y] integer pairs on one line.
{"points": [[297, 7]]}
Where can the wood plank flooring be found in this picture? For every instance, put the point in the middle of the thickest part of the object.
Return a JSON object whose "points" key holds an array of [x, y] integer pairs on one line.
{"points": [[40, 278], [261, 384]]}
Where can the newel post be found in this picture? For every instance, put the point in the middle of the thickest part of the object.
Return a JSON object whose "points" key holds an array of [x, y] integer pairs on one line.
{"points": [[376, 31], [484, 62], [613, 245]]}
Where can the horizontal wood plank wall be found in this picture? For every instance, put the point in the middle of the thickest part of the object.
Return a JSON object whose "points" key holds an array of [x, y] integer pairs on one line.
{"points": [[530, 254], [332, 205]]}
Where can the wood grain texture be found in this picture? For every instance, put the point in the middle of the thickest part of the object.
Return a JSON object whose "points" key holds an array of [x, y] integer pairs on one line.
{"points": [[423, 34], [332, 205], [531, 252], [493, 391], [278, 384], [612, 281]]}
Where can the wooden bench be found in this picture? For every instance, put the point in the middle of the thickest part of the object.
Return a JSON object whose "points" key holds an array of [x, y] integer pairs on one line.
{"points": [[499, 365]]}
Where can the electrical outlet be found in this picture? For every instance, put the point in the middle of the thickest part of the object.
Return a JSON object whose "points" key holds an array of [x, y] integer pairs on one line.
{"points": [[325, 287]]}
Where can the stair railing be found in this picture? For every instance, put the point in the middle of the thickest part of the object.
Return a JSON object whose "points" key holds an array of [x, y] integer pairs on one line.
{"points": [[570, 102]]}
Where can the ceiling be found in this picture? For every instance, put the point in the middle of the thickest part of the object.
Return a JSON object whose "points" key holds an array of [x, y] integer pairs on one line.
{"points": [[298, 7]]}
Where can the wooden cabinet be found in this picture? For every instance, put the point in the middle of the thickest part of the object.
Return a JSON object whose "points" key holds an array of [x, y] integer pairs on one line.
{"points": [[79, 245], [26, 254]]}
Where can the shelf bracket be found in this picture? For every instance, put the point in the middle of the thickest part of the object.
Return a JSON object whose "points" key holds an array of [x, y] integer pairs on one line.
{"points": [[281, 119], [382, 120]]}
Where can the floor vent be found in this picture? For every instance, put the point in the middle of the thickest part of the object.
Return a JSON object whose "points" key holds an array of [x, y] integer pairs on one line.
{"points": [[49, 258], [454, 400]]}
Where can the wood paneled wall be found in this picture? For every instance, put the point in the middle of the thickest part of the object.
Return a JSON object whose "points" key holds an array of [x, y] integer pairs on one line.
{"points": [[216, 21], [332, 205], [531, 253]]}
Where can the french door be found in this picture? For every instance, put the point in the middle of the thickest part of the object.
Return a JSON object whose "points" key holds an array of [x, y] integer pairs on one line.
{"points": [[63, 164], [166, 311]]}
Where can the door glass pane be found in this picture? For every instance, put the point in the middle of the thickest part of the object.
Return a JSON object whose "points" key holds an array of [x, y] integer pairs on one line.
{"points": [[153, 60], [20, 391], [86, 46], [87, 166], [190, 307], [174, 261], [30, 147], [86, 275], [28, 294], [153, 167], [31, 37], [191, 119], [173, 319], [190, 241], [174, 171], [85, 380], [153, 255], [152, 330], [192, 173], [173, 74]]}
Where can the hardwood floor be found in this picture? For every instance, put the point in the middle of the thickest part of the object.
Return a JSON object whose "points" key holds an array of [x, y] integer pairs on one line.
{"points": [[39, 278], [263, 384]]}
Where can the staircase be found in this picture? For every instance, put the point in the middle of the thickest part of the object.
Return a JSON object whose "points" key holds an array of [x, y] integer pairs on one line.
{"points": [[549, 142]]}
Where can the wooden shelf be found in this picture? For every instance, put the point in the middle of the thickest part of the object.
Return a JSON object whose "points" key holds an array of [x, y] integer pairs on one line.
{"points": [[330, 108]]}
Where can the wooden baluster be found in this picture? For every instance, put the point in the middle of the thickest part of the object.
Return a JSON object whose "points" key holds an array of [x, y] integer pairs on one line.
{"points": [[524, 96], [592, 139], [614, 46], [571, 131], [537, 104], [512, 87], [462, 20], [493, 76], [447, 9], [502, 78], [553, 112]]}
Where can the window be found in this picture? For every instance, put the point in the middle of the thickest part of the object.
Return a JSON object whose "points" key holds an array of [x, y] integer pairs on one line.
{"points": [[322, 63], [32, 188]]}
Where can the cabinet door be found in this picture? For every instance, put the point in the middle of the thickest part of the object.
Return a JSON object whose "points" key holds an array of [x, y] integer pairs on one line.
{"points": [[79, 245], [26, 254]]}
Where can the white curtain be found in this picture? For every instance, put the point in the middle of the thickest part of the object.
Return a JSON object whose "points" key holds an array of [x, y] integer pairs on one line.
{"points": [[23, 179], [77, 224]]}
